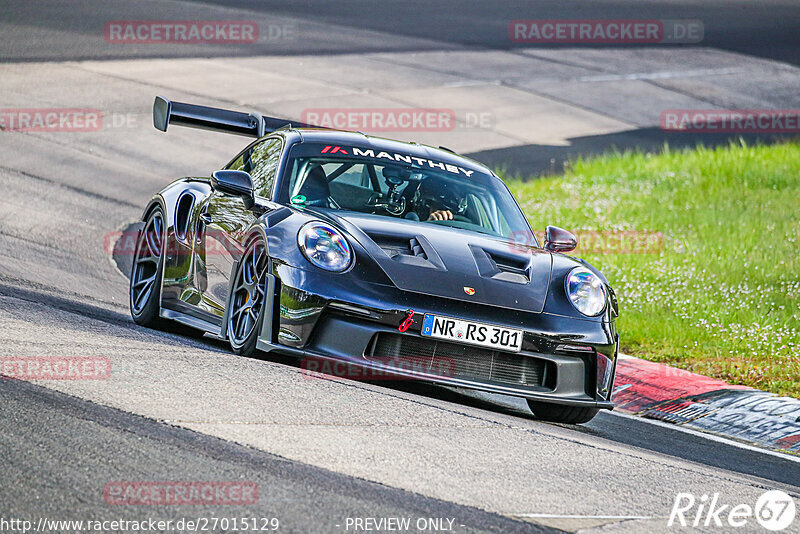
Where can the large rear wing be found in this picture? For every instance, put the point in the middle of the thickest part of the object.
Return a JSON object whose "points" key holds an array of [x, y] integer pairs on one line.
{"points": [[166, 112]]}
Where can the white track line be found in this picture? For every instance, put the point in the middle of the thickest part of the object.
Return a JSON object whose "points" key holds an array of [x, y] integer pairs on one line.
{"points": [[664, 75], [571, 516]]}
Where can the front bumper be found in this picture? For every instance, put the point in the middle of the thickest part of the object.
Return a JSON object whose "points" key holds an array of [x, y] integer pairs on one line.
{"points": [[357, 323]]}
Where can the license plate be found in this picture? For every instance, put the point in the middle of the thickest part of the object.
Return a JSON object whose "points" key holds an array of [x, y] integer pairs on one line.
{"points": [[485, 335]]}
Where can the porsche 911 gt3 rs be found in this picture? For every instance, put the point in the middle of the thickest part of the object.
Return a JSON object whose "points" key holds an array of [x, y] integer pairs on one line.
{"points": [[388, 256]]}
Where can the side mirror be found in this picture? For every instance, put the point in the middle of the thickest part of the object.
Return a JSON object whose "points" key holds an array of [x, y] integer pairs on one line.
{"points": [[559, 240], [235, 183]]}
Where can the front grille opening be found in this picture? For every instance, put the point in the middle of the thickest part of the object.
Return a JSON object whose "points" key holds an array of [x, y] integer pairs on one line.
{"points": [[454, 360]]}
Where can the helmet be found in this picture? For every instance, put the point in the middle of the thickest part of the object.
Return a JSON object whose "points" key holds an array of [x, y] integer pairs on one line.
{"points": [[438, 193]]}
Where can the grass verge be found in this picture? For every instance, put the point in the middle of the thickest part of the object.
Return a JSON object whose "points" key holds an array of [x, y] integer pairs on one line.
{"points": [[701, 247]]}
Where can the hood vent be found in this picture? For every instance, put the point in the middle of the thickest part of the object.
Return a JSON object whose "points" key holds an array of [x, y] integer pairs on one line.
{"points": [[416, 249], [511, 269], [409, 250], [499, 266]]}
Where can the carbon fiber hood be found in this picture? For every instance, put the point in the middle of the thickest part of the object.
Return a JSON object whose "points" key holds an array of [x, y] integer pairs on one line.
{"points": [[443, 262]]}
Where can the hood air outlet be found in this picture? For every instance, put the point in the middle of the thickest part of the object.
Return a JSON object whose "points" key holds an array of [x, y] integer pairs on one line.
{"points": [[410, 250], [499, 266]]}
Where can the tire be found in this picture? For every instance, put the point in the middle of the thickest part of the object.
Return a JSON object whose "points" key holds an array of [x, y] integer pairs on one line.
{"points": [[246, 302], [561, 413], [147, 272]]}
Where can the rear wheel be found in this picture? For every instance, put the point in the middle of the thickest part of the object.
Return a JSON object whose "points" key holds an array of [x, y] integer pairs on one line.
{"points": [[147, 271], [561, 413], [247, 300], [146, 275]]}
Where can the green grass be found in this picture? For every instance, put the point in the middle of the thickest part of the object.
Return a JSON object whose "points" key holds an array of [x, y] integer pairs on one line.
{"points": [[722, 296]]}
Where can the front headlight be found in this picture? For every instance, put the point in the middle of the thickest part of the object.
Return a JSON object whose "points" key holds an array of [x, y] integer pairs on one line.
{"points": [[586, 292], [325, 246]]}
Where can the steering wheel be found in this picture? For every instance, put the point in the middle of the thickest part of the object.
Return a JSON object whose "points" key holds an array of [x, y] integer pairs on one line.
{"points": [[379, 201]]}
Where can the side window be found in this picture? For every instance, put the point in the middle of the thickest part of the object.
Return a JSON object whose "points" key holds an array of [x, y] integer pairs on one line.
{"points": [[237, 164], [261, 161], [264, 165]]}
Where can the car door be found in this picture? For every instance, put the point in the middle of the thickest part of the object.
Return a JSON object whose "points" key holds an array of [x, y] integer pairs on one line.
{"points": [[225, 221]]}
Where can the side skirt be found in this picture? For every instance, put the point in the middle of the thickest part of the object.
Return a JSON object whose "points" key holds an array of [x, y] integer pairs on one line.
{"points": [[189, 320]]}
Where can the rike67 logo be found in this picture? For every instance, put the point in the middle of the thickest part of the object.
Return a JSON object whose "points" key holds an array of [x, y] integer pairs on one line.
{"points": [[774, 510]]}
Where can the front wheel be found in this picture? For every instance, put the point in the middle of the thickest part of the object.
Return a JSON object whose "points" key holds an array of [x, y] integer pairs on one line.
{"points": [[561, 413], [247, 300]]}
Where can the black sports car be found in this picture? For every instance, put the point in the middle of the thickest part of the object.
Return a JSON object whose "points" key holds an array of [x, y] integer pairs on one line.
{"points": [[396, 258]]}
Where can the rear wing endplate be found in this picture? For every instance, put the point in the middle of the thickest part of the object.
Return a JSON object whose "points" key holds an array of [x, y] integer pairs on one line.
{"points": [[166, 112]]}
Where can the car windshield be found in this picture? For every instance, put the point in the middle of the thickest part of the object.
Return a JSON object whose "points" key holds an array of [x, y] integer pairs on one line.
{"points": [[398, 185]]}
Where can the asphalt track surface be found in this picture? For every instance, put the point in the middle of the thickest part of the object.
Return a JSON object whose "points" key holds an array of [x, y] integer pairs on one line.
{"points": [[62, 30], [321, 450], [114, 445], [579, 99]]}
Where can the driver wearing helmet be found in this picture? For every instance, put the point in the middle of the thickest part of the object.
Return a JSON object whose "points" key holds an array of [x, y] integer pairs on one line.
{"points": [[440, 200]]}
